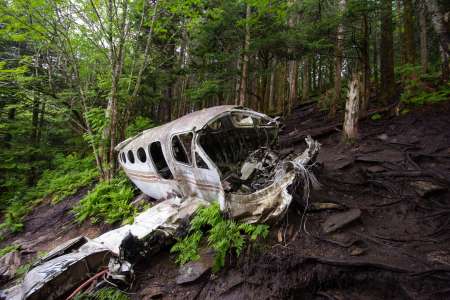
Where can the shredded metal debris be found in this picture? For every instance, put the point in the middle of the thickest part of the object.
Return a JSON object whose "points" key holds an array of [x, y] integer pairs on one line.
{"points": [[225, 153]]}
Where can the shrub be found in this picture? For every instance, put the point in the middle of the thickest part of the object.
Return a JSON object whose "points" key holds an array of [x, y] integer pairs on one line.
{"points": [[420, 88], [71, 174], [8, 249], [108, 201], [139, 124], [223, 235]]}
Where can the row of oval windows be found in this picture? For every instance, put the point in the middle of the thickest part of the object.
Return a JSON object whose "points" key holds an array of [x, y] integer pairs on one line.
{"points": [[140, 153]]}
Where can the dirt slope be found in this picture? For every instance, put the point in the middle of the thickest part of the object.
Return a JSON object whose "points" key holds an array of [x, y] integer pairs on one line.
{"points": [[397, 177], [50, 225]]}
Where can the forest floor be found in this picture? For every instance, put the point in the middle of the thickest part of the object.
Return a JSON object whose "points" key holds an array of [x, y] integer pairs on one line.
{"points": [[397, 249], [396, 176]]}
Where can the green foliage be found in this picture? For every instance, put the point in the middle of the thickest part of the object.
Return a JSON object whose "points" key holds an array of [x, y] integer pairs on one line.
{"points": [[14, 215], [23, 269], [98, 122], [139, 124], [421, 89], [108, 201], [103, 294], [223, 235], [8, 249], [70, 174], [376, 117]]}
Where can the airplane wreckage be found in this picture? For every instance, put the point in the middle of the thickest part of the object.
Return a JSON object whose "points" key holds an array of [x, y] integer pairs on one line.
{"points": [[223, 153]]}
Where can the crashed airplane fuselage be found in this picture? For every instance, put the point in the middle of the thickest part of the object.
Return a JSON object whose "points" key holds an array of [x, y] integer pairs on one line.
{"points": [[192, 155], [223, 153]]}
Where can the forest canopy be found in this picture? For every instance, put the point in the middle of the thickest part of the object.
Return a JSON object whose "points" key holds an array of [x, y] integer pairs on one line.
{"points": [[79, 76]]}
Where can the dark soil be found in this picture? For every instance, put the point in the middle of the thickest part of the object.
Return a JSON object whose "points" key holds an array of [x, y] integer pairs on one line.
{"points": [[398, 249]]}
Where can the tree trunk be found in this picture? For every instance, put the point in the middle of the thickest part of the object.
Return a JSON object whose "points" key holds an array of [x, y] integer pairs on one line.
{"points": [[441, 28], [292, 69], [292, 80], [338, 62], [366, 68], [410, 53], [245, 59], [350, 128], [375, 58], [272, 86], [423, 38], [306, 79], [387, 53]]}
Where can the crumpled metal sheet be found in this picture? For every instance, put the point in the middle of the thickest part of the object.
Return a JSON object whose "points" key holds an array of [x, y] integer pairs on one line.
{"points": [[271, 203], [55, 277], [261, 206]]}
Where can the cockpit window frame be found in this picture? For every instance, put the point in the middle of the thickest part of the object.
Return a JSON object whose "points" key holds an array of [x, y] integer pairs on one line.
{"points": [[189, 155]]}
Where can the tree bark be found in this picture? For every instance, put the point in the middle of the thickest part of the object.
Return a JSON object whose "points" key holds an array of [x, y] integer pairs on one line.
{"points": [[423, 38], [245, 59], [410, 53], [387, 84], [306, 79], [292, 69], [366, 68], [272, 85], [350, 128], [441, 28], [338, 62]]}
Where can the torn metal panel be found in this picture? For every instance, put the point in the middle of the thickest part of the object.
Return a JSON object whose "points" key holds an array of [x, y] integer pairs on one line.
{"points": [[263, 205], [60, 274], [272, 201], [52, 279]]}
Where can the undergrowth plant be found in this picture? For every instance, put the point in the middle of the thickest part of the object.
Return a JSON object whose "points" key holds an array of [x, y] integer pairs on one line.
{"points": [[421, 88], [8, 249], [69, 175], [103, 294], [223, 235], [108, 201]]}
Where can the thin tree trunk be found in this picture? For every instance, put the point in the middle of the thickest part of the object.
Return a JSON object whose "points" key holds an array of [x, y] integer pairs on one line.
{"points": [[366, 68], [292, 68], [375, 58], [338, 63], [243, 87], [441, 28], [306, 79], [387, 53], [423, 38], [272, 85], [410, 53]]}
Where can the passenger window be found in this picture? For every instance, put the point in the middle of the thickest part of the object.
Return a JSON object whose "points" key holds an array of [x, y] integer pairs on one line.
{"points": [[159, 160], [200, 162], [131, 156], [216, 125], [141, 154], [181, 147]]}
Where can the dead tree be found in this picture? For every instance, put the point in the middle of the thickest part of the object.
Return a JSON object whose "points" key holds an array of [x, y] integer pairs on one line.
{"points": [[350, 127]]}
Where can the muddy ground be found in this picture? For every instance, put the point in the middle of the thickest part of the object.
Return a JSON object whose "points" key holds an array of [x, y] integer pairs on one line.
{"points": [[399, 248], [394, 180]]}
